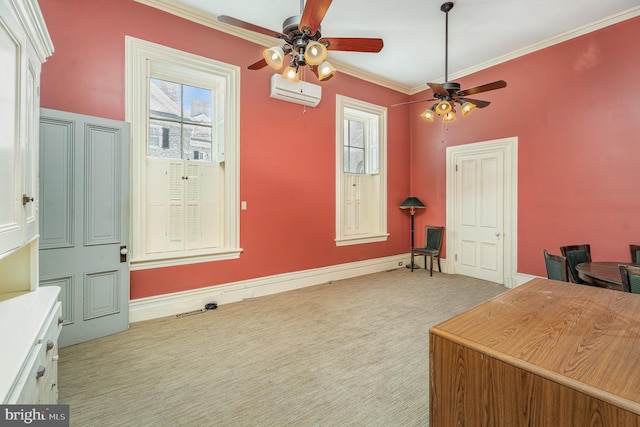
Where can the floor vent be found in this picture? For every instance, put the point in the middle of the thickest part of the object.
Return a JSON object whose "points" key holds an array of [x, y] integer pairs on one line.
{"points": [[189, 313]]}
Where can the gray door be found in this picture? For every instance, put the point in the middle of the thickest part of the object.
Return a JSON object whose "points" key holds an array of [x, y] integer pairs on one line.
{"points": [[84, 221]]}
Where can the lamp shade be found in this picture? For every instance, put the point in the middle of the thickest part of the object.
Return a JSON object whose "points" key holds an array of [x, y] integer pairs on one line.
{"points": [[274, 57], [428, 114], [412, 202], [315, 53], [324, 71], [467, 107], [443, 107], [291, 73]]}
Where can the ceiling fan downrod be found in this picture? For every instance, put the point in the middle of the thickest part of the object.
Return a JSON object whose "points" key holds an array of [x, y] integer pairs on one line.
{"points": [[446, 7]]}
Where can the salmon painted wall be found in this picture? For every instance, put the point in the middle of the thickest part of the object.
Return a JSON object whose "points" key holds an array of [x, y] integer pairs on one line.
{"points": [[575, 108], [287, 157]]}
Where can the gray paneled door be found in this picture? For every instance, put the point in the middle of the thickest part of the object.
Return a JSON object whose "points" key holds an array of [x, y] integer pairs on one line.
{"points": [[84, 221]]}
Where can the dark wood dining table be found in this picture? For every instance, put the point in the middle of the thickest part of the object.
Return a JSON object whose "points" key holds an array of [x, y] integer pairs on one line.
{"points": [[602, 274]]}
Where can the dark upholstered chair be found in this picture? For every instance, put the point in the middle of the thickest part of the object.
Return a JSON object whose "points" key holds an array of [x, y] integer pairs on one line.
{"points": [[557, 266], [630, 278], [575, 255], [433, 244], [635, 253]]}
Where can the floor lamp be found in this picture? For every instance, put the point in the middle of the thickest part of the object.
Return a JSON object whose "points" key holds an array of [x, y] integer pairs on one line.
{"points": [[412, 203]]}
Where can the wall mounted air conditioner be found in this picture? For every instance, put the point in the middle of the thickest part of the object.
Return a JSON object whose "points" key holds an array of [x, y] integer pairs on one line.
{"points": [[299, 92]]}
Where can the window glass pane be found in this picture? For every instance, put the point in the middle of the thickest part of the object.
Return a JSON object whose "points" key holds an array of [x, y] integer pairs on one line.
{"points": [[356, 134], [197, 105], [164, 140], [164, 100], [356, 160], [196, 139]]}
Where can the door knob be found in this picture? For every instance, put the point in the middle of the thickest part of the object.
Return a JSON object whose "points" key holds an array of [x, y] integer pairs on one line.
{"points": [[123, 253], [26, 199]]}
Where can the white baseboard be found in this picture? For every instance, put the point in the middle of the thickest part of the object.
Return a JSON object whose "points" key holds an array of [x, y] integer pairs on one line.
{"points": [[180, 302]]}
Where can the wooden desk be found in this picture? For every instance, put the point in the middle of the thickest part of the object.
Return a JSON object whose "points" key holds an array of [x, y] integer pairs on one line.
{"points": [[603, 274], [547, 353]]}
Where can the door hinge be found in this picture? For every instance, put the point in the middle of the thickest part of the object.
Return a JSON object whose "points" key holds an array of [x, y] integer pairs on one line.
{"points": [[456, 168], [455, 258]]}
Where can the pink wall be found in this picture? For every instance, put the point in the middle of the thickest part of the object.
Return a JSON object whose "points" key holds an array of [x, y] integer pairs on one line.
{"points": [[287, 157], [575, 108]]}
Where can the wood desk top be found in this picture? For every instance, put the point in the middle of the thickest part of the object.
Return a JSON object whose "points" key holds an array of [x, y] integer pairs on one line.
{"points": [[583, 337]]}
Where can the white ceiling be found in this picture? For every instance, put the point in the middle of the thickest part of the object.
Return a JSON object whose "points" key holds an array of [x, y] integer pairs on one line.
{"points": [[481, 32]]}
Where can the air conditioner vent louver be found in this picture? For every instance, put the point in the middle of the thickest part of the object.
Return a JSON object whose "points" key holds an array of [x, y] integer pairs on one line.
{"points": [[299, 92]]}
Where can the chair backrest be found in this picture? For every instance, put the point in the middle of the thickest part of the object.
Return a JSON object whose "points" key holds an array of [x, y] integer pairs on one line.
{"points": [[556, 266], [575, 255], [635, 253], [630, 278], [433, 237]]}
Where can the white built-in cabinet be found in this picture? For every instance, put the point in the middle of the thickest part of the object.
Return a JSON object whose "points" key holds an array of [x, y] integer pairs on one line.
{"points": [[29, 315]]}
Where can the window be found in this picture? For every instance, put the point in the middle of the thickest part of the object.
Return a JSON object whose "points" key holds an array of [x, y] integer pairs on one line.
{"points": [[361, 187], [183, 111]]}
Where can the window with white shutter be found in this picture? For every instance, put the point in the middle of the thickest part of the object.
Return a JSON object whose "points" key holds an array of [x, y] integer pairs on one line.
{"points": [[361, 189], [183, 111]]}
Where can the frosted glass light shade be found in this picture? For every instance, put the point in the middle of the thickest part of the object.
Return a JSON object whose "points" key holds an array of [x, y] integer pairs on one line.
{"points": [[467, 107], [290, 73], [325, 70], [315, 53], [274, 57], [449, 117], [428, 114], [443, 107]]}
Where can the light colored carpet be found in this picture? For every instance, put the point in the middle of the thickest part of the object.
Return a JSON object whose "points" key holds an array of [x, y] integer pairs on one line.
{"points": [[351, 353]]}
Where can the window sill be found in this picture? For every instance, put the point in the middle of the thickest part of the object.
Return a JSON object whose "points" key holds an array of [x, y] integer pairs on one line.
{"points": [[361, 239], [170, 260]]}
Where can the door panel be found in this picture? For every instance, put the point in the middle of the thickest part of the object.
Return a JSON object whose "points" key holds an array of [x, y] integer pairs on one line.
{"points": [[479, 215], [84, 187]]}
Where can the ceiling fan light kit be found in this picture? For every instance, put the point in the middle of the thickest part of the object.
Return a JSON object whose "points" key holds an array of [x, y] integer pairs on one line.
{"points": [[304, 43], [448, 94]]}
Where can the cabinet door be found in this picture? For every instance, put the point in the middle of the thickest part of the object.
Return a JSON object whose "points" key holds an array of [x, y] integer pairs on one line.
{"points": [[29, 146], [11, 233]]}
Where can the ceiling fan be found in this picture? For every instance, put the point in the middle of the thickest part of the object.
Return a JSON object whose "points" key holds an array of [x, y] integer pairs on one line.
{"points": [[448, 94], [304, 43]]}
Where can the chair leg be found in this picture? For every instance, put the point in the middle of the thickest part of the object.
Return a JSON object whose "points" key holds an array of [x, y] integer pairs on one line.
{"points": [[440, 270], [431, 265]]}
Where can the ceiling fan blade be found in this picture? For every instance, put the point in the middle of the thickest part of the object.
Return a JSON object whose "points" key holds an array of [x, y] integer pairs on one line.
{"points": [[477, 102], [498, 84], [258, 65], [354, 44], [413, 102], [247, 26], [313, 14], [438, 89]]}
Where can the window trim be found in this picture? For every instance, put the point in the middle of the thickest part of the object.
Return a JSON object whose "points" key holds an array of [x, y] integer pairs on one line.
{"points": [[367, 110], [138, 54]]}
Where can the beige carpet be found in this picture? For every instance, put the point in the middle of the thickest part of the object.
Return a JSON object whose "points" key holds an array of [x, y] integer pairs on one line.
{"points": [[350, 353]]}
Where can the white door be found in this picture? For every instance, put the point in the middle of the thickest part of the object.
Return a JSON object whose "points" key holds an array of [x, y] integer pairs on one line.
{"points": [[482, 221], [84, 221]]}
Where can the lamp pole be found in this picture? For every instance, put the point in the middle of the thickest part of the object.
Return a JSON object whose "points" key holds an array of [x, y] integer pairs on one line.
{"points": [[412, 203]]}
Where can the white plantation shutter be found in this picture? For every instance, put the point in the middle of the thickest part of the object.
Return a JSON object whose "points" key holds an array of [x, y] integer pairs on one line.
{"points": [[354, 204], [210, 202], [182, 203]]}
